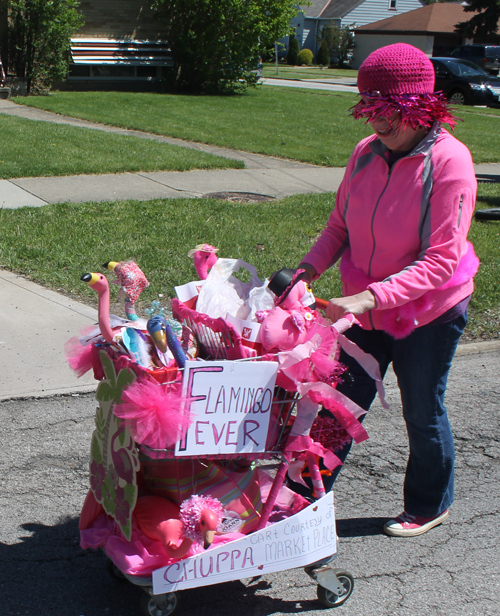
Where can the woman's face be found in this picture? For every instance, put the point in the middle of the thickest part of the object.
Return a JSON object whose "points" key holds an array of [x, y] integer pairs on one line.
{"points": [[390, 132]]}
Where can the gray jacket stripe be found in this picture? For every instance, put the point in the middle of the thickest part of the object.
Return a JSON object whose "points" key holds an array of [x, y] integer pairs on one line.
{"points": [[424, 224], [362, 162]]}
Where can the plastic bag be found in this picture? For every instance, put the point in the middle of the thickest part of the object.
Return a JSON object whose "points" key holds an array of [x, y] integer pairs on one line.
{"points": [[223, 293]]}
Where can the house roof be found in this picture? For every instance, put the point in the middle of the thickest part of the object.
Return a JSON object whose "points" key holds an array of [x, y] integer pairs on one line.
{"points": [[436, 17], [331, 9]]}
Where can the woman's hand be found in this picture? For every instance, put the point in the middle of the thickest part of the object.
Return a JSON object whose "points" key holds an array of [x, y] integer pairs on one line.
{"points": [[309, 272], [338, 307]]}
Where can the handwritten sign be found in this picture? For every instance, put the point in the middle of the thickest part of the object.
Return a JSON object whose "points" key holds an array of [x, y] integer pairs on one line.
{"points": [[297, 541], [231, 403]]}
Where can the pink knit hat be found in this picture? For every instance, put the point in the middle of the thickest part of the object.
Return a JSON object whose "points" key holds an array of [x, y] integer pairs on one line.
{"points": [[397, 69], [400, 78]]}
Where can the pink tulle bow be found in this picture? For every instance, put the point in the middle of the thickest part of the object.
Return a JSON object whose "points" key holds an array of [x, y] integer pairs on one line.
{"points": [[155, 414]]}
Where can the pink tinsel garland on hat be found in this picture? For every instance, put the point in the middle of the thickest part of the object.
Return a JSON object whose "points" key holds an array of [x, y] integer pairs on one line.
{"points": [[416, 110]]}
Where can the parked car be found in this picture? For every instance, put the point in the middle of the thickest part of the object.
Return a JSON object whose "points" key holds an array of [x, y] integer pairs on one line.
{"points": [[464, 83], [485, 56]]}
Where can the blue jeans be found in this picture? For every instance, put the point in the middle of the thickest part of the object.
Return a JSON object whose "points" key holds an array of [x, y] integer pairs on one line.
{"points": [[421, 363]]}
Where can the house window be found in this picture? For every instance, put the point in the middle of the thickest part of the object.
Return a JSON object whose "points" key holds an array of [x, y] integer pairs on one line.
{"points": [[392, 5]]}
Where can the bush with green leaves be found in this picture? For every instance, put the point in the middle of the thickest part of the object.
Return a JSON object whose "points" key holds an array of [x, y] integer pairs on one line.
{"points": [[217, 44], [39, 39], [305, 56], [293, 51]]}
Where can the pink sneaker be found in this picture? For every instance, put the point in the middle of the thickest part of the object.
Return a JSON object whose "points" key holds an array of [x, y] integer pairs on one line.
{"points": [[407, 525]]}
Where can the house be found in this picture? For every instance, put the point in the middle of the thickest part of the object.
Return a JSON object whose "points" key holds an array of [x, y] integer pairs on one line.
{"points": [[120, 42], [309, 22], [430, 28]]}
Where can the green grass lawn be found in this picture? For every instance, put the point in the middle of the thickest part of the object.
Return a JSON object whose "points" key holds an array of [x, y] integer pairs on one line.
{"points": [[308, 125], [33, 148], [305, 72], [56, 244]]}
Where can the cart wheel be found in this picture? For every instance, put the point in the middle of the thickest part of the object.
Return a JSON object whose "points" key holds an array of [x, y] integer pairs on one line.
{"points": [[330, 599], [113, 571], [159, 605]]}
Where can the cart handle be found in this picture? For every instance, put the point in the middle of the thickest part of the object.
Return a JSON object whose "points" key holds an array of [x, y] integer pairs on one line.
{"points": [[321, 303]]}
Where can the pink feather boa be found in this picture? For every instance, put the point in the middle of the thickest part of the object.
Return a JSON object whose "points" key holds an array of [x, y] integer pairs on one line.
{"points": [[399, 322]]}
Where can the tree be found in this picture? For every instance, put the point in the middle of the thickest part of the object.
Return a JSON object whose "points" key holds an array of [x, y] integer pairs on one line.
{"points": [[293, 50], [482, 24], [339, 40], [39, 39], [217, 44], [323, 54]]}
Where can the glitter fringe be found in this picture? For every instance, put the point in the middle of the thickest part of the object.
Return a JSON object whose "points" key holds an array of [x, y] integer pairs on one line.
{"points": [[416, 110]]}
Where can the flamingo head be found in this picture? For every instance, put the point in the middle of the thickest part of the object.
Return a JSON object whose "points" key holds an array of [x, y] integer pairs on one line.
{"points": [[99, 282], [209, 520], [204, 257], [156, 327], [200, 517]]}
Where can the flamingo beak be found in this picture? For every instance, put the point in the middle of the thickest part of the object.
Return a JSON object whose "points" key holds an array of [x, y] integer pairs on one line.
{"points": [[208, 537], [160, 340], [156, 330], [90, 279], [110, 265]]}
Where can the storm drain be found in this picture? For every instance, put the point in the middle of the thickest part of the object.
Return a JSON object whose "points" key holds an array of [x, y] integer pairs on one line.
{"points": [[238, 197]]}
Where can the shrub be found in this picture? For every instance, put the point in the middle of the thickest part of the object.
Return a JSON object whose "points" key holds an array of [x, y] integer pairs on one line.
{"points": [[305, 57], [323, 55], [293, 51]]}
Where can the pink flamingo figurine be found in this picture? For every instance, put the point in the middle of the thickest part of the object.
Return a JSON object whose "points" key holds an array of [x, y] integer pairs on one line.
{"points": [[177, 528], [99, 283], [205, 257]]}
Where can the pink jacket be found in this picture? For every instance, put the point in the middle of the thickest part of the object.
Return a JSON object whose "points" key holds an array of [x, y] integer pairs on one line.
{"points": [[406, 227]]}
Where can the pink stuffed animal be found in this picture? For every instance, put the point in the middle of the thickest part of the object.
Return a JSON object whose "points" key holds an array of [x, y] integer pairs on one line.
{"points": [[286, 326]]}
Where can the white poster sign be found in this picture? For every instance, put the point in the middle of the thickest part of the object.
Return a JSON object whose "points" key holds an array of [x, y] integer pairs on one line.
{"points": [[231, 403], [297, 541]]}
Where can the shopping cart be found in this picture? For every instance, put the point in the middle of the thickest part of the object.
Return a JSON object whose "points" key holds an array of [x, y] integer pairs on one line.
{"points": [[121, 467]]}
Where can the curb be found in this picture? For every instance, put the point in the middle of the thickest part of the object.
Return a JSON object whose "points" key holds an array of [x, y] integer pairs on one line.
{"points": [[476, 348]]}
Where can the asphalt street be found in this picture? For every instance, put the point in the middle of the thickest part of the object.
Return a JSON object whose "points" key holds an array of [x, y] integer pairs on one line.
{"points": [[453, 570]]}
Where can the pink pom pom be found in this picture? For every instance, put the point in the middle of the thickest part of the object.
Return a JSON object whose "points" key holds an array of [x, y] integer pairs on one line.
{"points": [[155, 414], [80, 358]]}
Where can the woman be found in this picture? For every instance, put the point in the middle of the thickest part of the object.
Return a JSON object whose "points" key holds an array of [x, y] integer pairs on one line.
{"points": [[400, 224]]}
